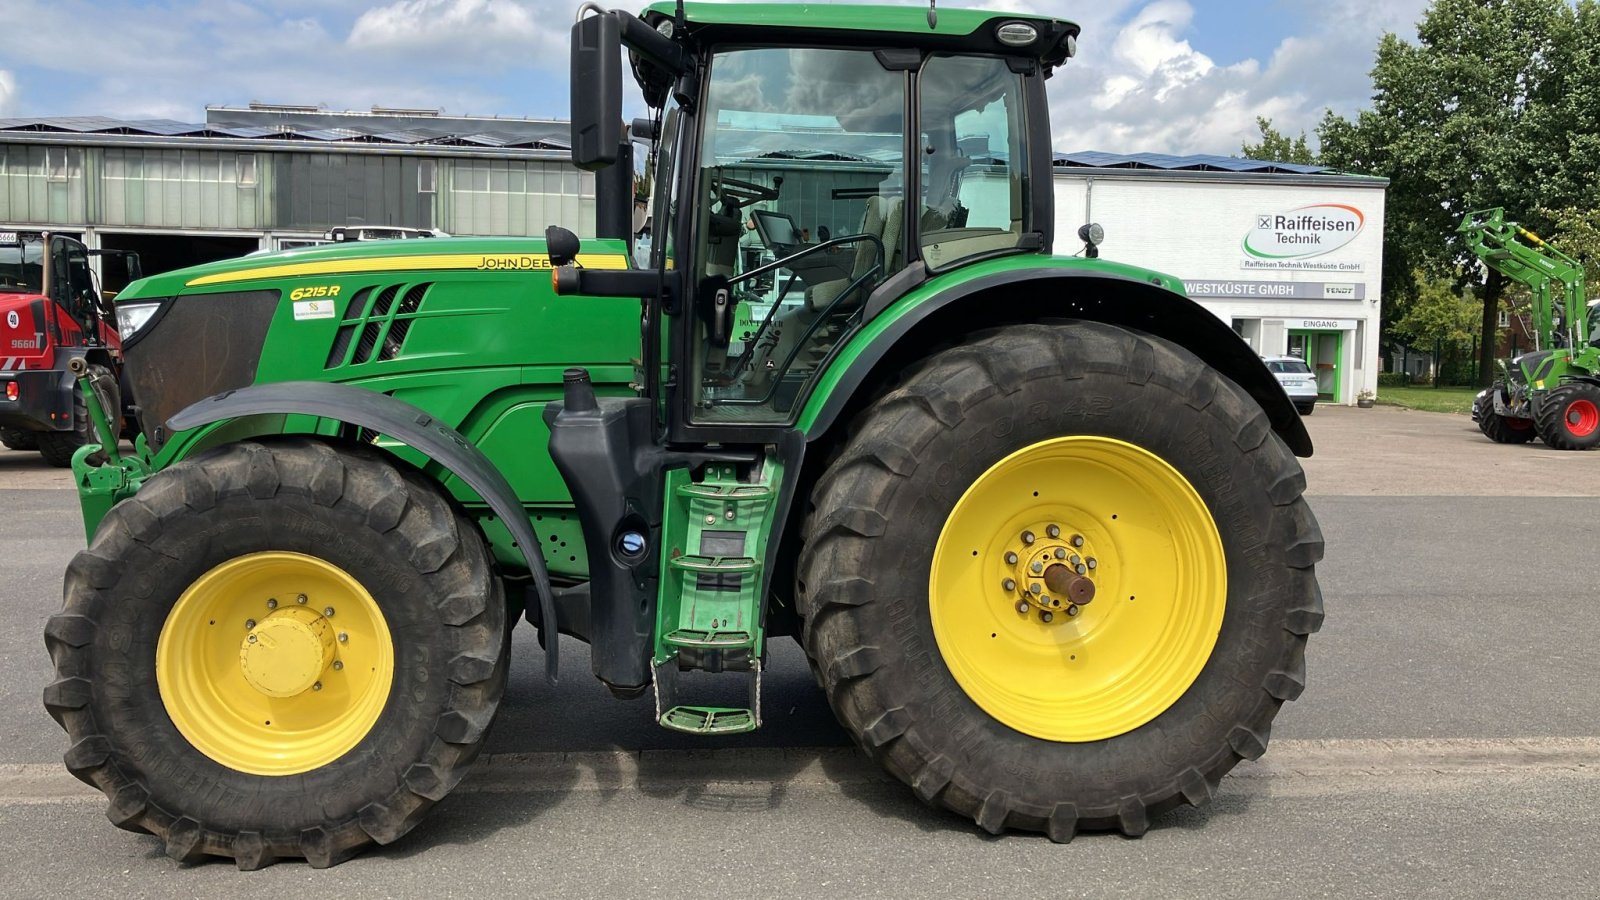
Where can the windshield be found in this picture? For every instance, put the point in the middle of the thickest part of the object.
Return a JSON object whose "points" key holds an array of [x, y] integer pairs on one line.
{"points": [[22, 267]]}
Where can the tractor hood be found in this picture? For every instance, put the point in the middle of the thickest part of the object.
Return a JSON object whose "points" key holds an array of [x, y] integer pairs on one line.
{"points": [[434, 254]]}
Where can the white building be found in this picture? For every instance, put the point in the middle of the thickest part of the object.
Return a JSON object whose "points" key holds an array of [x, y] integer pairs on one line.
{"points": [[1290, 256]]}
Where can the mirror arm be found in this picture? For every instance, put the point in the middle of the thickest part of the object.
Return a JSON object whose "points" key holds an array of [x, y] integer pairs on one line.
{"points": [[569, 280]]}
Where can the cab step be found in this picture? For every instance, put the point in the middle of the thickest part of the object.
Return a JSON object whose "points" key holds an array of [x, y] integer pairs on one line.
{"points": [[707, 720], [709, 612]]}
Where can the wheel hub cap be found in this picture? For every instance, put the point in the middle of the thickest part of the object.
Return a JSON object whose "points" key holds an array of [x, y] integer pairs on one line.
{"points": [[287, 653]]}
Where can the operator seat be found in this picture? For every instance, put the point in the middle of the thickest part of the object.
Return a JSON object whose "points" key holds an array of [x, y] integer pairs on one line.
{"points": [[722, 239], [884, 219]]}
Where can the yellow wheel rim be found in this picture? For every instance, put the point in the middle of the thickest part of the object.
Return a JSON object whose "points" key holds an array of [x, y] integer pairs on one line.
{"points": [[1126, 528], [275, 663]]}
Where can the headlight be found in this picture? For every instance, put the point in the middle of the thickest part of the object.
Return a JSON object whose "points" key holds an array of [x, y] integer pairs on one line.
{"points": [[133, 316]]}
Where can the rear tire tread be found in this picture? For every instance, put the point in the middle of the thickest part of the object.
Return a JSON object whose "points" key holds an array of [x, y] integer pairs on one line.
{"points": [[934, 395]]}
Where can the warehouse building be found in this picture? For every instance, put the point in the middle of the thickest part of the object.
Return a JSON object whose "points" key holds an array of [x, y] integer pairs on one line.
{"points": [[1289, 255], [275, 177]]}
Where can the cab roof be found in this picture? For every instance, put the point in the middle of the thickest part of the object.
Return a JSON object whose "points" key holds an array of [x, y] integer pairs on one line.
{"points": [[969, 30]]}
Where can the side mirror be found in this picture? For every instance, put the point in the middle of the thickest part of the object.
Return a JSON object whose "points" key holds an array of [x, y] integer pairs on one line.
{"points": [[596, 91], [561, 244]]}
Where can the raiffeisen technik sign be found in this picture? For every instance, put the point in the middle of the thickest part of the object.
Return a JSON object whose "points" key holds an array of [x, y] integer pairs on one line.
{"points": [[1303, 232]]}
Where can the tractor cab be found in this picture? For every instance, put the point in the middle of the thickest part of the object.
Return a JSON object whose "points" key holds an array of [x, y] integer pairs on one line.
{"points": [[803, 184]]}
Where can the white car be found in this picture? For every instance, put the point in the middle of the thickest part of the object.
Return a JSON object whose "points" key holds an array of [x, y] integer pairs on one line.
{"points": [[1298, 381]]}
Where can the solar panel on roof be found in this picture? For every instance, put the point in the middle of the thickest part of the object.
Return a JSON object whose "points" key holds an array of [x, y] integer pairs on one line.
{"points": [[1196, 162]]}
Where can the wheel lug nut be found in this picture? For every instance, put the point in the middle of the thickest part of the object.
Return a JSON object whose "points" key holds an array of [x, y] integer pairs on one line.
{"points": [[1091, 561], [1035, 588], [1036, 568], [317, 686], [300, 599], [1075, 559], [251, 638], [1022, 606], [249, 624], [1027, 537], [1072, 609], [1010, 584], [343, 637], [1081, 568], [1061, 553], [1046, 617], [327, 611], [338, 664], [711, 520], [272, 603], [1054, 531], [1011, 559], [1077, 540]]}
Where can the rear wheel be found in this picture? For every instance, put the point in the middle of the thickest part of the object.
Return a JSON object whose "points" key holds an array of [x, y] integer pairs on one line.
{"points": [[1061, 579], [278, 650], [16, 439], [1569, 417], [57, 447]]}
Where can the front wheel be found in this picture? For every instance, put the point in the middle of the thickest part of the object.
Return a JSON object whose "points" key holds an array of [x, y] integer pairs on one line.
{"points": [[1569, 417], [57, 447], [278, 650], [1061, 579]]}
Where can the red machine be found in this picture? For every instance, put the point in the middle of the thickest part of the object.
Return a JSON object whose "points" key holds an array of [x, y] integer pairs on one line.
{"points": [[52, 311]]}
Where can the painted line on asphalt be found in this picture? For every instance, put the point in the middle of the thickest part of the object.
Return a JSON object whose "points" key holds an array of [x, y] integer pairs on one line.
{"points": [[25, 784]]}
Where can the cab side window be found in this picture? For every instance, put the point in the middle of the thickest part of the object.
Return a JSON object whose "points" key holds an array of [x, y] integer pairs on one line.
{"points": [[974, 159]]}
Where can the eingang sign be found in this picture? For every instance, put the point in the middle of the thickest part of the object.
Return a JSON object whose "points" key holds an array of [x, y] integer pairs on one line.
{"points": [[1303, 232]]}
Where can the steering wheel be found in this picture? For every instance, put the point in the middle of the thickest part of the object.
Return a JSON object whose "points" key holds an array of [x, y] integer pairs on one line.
{"points": [[743, 193]]}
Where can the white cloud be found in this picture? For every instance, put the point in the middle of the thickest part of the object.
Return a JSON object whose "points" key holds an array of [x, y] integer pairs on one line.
{"points": [[8, 92], [467, 32], [1139, 85]]}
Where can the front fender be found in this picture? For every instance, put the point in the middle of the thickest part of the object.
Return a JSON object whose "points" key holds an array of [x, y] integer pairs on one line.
{"points": [[406, 423], [1029, 290]]}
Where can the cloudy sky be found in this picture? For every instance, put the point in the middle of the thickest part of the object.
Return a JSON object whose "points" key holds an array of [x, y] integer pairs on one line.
{"points": [[1175, 76]]}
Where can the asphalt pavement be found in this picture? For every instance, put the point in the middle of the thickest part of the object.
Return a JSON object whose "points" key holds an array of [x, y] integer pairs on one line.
{"points": [[1448, 742]]}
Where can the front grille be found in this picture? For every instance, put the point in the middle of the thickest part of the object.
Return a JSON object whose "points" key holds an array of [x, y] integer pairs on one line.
{"points": [[377, 333]]}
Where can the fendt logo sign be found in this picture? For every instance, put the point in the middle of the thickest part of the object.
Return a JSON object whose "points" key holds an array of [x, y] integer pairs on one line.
{"points": [[1304, 232]]}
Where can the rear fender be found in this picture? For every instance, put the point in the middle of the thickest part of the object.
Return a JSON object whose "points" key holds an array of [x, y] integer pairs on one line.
{"points": [[905, 333], [405, 423]]}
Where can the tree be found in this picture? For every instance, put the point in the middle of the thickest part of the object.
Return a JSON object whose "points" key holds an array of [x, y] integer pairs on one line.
{"points": [[1461, 120], [1440, 319], [1276, 146]]}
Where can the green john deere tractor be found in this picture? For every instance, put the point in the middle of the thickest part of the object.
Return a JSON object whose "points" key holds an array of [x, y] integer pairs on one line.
{"points": [[1036, 520], [1552, 391]]}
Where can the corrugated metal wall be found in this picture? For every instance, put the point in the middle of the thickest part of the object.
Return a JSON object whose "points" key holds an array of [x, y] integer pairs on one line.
{"points": [[513, 196], [226, 190], [43, 185], [180, 189], [311, 191]]}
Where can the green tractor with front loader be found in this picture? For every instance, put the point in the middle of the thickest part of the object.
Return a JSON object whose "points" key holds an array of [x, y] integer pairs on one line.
{"points": [[1553, 391], [1036, 520]]}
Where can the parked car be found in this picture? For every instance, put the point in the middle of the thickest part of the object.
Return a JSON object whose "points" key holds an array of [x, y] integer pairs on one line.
{"points": [[1298, 381]]}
